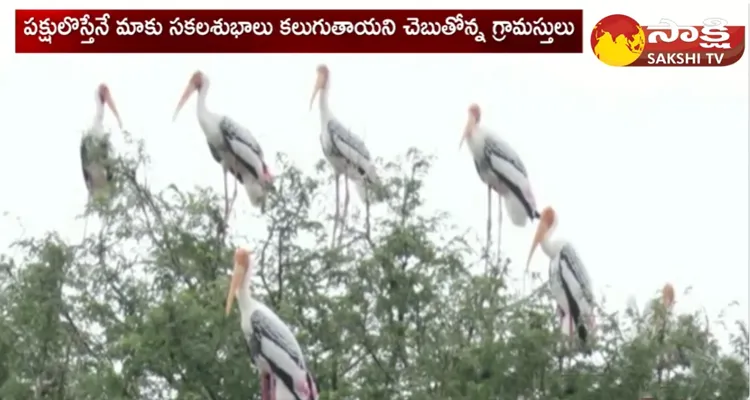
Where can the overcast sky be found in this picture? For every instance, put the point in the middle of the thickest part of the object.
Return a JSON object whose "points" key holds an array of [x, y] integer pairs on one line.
{"points": [[646, 167]]}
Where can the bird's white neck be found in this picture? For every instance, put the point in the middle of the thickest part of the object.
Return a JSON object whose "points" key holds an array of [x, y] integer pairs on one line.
{"points": [[201, 103], [476, 141], [98, 123], [244, 297], [549, 246], [325, 111]]}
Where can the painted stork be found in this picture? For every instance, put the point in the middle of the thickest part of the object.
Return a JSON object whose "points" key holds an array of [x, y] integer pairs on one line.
{"points": [[231, 145], [502, 170], [345, 151], [660, 319], [272, 346], [667, 296], [569, 281], [96, 146]]}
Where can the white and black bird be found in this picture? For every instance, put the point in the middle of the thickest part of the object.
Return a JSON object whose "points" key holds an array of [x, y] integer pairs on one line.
{"points": [[569, 281], [272, 346], [96, 149], [344, 150], [231, 145], [502, 170]]}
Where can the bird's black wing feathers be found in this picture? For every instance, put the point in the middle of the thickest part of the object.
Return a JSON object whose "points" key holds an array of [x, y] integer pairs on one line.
{"points": [[502, 150], [232, 131], [339, 133], [214, 153], [217, 157], [236, 139], [106, 150], [96, 150], [262, 328], [84, 162], [569, 256], [477, 166]]}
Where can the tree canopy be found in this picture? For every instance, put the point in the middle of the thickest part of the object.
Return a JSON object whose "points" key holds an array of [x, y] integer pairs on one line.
{"points": [[403, 306]]}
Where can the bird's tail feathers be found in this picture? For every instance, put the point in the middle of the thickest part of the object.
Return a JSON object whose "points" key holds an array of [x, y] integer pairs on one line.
{"points": [[516, 210], [368, 191], [369, 174], [305, 388], [361, 187], [256, 193], [369, 187]]}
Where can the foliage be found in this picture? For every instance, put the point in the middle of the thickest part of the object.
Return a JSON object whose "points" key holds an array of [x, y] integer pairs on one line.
{"points": [[403, 308]]}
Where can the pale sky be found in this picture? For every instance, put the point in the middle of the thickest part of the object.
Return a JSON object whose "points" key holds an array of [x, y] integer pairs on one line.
{"points": [[647, 168]]}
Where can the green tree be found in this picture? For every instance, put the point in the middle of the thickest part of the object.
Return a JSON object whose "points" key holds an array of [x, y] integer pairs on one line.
{"points": [[404, 307]]}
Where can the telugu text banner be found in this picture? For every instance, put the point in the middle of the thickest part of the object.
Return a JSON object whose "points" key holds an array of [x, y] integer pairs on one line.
{"points": [[299, 31]]}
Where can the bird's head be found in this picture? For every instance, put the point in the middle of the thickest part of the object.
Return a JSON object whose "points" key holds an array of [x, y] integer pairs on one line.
{"points": [[321, 82], [474, 116], [241, 269], [198, 81], [547, 222], [104, 97], [667, 295]]}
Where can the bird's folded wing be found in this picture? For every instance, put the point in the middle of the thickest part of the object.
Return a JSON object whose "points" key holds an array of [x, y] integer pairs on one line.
{"points": [[575, 275], [502, 157], [243, 145], [96, 150], [214, 153], [239, 133], [84, 162], [348, 144], [276, 343], [281, 357]]}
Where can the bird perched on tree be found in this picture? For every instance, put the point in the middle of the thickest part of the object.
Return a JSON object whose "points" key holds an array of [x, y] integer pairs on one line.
{"points": [[344, 150], [96, 148], [273, 348], [569, 280], [231, 145], [501, 169]]}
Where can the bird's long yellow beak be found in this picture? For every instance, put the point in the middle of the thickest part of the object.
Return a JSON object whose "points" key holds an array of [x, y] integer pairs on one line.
{"points": [[185, 96], [241, 265], [319, 82], [314, 95], [111, 104]]}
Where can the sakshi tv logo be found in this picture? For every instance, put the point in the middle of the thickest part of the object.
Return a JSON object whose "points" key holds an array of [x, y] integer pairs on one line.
{"points": [[620, 41]]}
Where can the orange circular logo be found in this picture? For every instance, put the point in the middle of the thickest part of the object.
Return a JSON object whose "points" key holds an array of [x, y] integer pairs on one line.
{"points": [[617, 40]]}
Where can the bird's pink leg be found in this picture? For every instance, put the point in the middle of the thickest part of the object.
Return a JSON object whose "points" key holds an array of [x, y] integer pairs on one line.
{"points": [[500, 224], [263, 387], [336, 213], [271, 387], [265, 392], [367, 212], [226, 199], [234, 198], [571, 327], [489, 220], [346, 207]]}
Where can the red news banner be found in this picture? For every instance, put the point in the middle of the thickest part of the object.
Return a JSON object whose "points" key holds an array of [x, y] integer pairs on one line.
{"points": [[299, 31]]}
